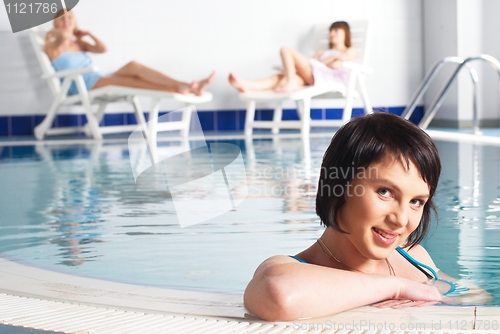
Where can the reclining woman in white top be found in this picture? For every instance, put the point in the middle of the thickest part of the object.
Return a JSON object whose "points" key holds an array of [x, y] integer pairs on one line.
{"points": [[66, 49], [300, 70]]}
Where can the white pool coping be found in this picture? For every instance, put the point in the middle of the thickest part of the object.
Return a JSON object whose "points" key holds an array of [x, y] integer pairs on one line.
{"points": [[48, 300]]}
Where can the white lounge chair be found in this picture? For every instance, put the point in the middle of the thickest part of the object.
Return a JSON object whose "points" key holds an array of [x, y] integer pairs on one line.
{"points": [[102, 96], [303, 96]]}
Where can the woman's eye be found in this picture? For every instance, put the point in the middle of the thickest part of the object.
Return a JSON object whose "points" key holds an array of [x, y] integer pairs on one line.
{"points": [[418, 203], [384, 192]]}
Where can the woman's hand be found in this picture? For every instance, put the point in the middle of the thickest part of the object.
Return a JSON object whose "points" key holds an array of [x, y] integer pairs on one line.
{"points": [[335, 63], [81, 33], [412, 294], [97, 46]]}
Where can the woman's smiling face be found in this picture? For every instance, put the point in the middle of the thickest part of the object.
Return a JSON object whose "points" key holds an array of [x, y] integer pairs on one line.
{"points": [[337, 37], [65, 22], [384, 205]]}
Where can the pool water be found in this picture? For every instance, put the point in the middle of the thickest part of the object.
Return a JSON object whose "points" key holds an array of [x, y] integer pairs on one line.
{"points": [[77, 209]]}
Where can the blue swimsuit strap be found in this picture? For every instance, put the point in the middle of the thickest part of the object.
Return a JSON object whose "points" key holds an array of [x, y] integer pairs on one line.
{"points": [[420, 266], [297, 258]]}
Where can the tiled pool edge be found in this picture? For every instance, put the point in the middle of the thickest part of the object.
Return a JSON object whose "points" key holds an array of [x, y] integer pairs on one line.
{"points": [[71, 304]]}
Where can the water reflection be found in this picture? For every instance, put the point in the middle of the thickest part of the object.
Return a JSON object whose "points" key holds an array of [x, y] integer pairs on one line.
{"points": [[79, 207], [282, 168], [464, 242]]}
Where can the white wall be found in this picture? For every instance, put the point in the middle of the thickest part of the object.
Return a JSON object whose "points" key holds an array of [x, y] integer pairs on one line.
{"points": [[188, 39]]}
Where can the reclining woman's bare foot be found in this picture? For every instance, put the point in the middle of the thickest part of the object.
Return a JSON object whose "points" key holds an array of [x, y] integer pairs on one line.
{"points": [[185, 88], [236, 83], [200, 88]]}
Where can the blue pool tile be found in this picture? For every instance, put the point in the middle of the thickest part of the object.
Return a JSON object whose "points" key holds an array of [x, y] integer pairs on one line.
{"points": [[417, 115], [83, 119], [396, 110], [131, 119], [264, 114], [240, 119], [169, 116], [175, 116], [207, 120], [333, 113], [162, 113], [356, 112], [38, 119], [226, 120], [317, 113], [4, 126], [415, 118], [67, 120], [22, 125], [290, 115], [114, 119]]}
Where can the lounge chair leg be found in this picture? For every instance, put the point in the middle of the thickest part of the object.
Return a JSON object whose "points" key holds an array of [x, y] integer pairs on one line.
{"points": [[304, 108], [153, 119], [364, 96], [99, 116], [139, 115], [249, 118], [92, 123], [100, 112], [46, 124], [186, 119], [347, 113], [277, 116]]}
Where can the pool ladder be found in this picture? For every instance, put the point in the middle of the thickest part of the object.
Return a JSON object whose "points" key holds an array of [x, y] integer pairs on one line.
{"points": [[434, 106]]}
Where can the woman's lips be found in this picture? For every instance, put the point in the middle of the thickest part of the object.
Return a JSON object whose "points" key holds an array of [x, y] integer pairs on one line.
{"points": [[385, 237]]}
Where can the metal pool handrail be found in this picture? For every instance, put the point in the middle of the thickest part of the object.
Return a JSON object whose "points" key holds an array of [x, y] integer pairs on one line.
{"points": [[438, 101], [430, 77]]}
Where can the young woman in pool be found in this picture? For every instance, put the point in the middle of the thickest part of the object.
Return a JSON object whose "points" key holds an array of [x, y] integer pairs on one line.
{"points": [[66, 49], [300, 70], [375, 190]]}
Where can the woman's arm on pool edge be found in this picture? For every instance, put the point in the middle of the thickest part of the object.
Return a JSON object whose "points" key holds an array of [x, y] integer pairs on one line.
{"points": [[284, 289]]}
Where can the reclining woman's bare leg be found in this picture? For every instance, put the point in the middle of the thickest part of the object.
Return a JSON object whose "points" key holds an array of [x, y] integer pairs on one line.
{"points": [[134, 82], [298, 71], [259, 84], [155, 80]]}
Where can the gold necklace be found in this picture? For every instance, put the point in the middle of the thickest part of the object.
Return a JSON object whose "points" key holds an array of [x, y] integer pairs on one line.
{"points": [[327, 251]]}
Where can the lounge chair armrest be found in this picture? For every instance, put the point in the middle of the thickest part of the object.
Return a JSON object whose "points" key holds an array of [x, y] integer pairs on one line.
{"points": [[72, 72], [356, 67]]}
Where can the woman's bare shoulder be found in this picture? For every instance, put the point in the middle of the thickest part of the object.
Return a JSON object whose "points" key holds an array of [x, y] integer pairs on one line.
{"points": [[351, 53], [274, 260]]}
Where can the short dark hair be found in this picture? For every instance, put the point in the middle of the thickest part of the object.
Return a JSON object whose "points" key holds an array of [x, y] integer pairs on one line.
{"points": [[366, 140], [347, 30]]}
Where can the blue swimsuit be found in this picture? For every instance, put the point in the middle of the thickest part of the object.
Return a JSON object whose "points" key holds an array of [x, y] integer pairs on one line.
{"points": [[71, 60]]}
